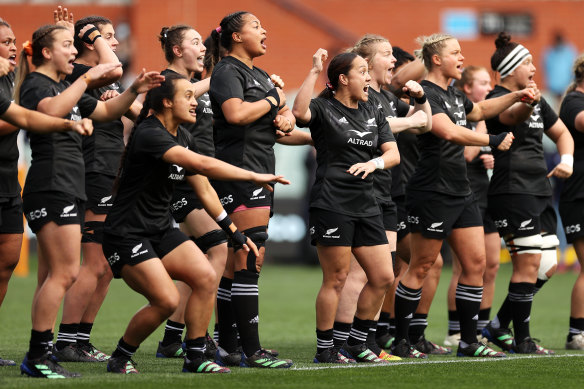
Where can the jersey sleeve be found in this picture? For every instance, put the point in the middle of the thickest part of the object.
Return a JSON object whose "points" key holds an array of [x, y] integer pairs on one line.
{"points": [[402, 108], [316, 111], [87, 105], [385, 134], [153, 141], [548, 114], [4, 104], [78, 71], [226, 84], [571, 107], [468, 105], [31, 93]]}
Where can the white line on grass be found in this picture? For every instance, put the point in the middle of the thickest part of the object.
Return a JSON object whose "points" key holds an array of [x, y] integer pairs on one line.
{"points": [[415, 363]]}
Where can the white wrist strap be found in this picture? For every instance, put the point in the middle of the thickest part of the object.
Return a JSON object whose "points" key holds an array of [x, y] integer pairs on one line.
{"points": [[221, 216], [378, 162], [567, 159]]}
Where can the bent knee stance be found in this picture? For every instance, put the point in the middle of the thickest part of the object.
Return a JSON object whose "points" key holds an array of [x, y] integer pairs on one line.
{"points": [[258, 235]]}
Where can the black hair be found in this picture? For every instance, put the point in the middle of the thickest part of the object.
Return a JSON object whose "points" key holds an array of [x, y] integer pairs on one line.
{"points": [[223, 38], [170, 37], [341, 64], [402, 57], [4, 23], [211, 58], [154, 101], [97, 21], [503, 46]]}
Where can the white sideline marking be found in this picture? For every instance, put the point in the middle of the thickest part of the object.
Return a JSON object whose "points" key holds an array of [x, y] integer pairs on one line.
{"points": [[416, 363]]}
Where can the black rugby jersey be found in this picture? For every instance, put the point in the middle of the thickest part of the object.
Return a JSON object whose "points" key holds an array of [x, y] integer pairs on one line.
{"points": [[407, 144], [390, 106], [476, 172], [201, 130], [57, 159], [103, 149], [522, 169], [572, 105], [441, 166], [9, 186], [145, 188], [343, 137], [251, 146]]}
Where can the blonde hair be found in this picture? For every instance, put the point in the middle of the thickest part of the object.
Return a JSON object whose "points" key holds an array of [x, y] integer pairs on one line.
{"points": [[430, 46], [578, 70], [467, 77], [365, 46]]}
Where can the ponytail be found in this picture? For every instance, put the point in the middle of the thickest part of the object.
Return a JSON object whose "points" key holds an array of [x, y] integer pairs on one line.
{"points": [[214, 51], [22, 71]]}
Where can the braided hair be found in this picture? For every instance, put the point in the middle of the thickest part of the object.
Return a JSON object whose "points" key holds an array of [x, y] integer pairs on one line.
{"points": [[430, 46]]}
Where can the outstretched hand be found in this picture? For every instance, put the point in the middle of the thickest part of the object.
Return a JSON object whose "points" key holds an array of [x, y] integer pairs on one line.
{"points": [[265, 180], [63, 17], [146, 81], [99, 71]]}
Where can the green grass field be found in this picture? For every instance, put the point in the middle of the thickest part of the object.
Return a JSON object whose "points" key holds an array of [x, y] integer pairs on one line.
{"points": [[287, 295]]}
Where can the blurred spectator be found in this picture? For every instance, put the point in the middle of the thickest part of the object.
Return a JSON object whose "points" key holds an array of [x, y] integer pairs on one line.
{"points": [[558, 60]]}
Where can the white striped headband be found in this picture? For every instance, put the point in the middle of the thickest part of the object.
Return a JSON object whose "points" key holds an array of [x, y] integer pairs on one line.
{"points": [[512, 60]]}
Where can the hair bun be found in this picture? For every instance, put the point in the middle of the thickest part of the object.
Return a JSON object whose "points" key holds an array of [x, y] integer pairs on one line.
{"points": [[163, 35], [502, 40]]}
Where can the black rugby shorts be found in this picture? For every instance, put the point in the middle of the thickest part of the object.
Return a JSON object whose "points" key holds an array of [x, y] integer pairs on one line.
{"points": [[234, 194], [388, 215], [132, 250], [62, 208], [11, 215], [99, 188], [403, 227], [435, 215], [329, 228], [548, 218], [572, 214], [184, 203], [517, 214]]}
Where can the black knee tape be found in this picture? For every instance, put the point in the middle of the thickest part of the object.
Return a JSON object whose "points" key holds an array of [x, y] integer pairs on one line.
{"points": [[258, 235], [210, 239], [92, 232]]}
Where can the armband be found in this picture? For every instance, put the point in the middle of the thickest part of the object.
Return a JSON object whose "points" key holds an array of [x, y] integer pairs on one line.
{"points": [[378, 162], [567, 159], [420, 100]]}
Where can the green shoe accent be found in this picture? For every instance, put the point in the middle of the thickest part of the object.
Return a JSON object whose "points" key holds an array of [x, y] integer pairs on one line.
{"points": [[203, 366], [47, 372]]}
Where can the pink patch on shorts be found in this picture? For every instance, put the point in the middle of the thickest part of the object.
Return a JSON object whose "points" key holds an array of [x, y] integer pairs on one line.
{"points": [[242, 207]]}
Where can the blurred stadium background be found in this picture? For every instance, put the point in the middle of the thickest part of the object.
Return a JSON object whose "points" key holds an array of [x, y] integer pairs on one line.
{"points": [[296, 28]]}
